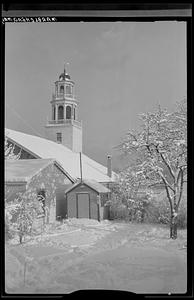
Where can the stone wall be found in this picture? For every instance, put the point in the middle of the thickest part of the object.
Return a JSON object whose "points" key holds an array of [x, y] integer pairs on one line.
{"points": [[49, 179], [12, 190]]}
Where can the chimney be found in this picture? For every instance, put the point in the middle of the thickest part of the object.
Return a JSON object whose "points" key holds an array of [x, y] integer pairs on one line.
{"points": [[109, 165]]}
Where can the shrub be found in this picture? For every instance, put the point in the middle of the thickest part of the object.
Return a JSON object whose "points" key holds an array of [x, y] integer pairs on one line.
{"points": [[8, 232], [118, 210], [129, 209], [159, 212], [9, 228], [20, 215]]}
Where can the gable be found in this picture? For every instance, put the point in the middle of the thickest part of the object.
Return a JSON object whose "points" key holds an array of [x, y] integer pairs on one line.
{"points": [[82, 189], [88, 184]]}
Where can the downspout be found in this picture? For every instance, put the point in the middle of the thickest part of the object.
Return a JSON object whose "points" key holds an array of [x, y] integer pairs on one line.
{"points": [[99, 205], [80, 155]]}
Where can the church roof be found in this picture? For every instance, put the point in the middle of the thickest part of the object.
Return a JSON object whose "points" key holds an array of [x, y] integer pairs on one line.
{"points": [[69, 160]]}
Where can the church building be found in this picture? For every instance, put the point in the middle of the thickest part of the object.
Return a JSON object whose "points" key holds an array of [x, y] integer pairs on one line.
{"points": [[63, 137], [87, 190]]}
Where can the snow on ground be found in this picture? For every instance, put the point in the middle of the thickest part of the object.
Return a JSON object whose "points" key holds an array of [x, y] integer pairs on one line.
{"points": [[125, 268], [73, 232], [71, 239], [67, 257], [13, 269], [104, 224]]}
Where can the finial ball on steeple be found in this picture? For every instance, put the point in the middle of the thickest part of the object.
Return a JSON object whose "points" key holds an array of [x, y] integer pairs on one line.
{"points": [[64, 76]]}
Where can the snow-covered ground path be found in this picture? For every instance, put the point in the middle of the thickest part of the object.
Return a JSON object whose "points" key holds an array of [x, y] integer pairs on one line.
{"points": [[125, 268], [135, 257]]}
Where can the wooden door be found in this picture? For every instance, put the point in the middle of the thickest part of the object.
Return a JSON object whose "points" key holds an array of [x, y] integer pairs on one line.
{"points": [[83, 205]]}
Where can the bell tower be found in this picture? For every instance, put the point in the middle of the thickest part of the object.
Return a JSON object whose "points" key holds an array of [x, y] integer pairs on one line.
{"points": [[64, 127]]}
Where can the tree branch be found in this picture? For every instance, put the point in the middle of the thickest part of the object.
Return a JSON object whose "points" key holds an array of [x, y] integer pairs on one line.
{"points": [[165, 181], [166, 163], [168, 194], [178, 176]]}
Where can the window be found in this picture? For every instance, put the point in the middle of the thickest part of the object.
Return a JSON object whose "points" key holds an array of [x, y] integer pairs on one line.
{"points": [[59, 137], [41, 198], [60, 113], [68, 89], [74, 113], [25, 155], [61, 89], [68, 112]]}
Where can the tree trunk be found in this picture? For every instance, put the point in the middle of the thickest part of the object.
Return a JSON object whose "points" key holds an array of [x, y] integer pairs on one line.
{"points": [[21, 238], [173, 226], [173, 231], [142, 215]]}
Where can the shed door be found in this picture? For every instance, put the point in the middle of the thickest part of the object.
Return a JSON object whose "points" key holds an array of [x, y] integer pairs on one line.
{"points": [[83, 205]]}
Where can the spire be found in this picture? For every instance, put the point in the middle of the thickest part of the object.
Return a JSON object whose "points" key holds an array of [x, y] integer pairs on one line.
{"points": [[65, 68]]}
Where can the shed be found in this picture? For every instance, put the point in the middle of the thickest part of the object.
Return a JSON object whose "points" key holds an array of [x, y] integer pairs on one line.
{"points": [[38, 177], [87, 199]]}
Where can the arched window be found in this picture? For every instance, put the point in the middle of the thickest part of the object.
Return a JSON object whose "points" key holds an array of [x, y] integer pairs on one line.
{"points": [[68, 90], [60, 113], [41, 198], [68, 112], [61, 89]]}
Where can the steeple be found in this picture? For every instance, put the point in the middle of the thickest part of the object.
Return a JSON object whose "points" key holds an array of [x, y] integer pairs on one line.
{"points": [[64, 126]]}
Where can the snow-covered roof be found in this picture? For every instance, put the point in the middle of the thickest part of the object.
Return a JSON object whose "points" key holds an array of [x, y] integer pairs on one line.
{"points": [[69, 160], [23, 170], [93, 184]]}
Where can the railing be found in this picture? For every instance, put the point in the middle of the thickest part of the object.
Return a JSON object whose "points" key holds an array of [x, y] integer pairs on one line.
{"points": [[66, 121], [62, 96]]}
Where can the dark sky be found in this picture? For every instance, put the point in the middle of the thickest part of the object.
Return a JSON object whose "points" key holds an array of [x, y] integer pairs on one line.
{"points": [[120, 69]]}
